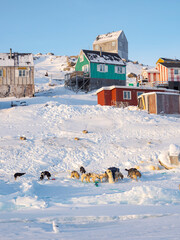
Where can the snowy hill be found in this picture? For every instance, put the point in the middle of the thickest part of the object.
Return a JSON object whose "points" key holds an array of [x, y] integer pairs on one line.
{"points": [[58, 66], [66, 208], [55, 66]]}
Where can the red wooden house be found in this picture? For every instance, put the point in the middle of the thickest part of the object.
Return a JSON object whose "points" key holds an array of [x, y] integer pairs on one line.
{"points": [[123, 95]]}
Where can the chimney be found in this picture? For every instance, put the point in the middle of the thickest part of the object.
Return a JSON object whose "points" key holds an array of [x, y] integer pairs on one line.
{"points": [[10, 53], [100, 51]]}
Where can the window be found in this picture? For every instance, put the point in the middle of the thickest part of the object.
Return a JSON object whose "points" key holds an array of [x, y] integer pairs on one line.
{"points": [[102, 68], [22, 73], [175, 71], [1, 72], [85, 68], [97, 47], [139, 93], [118, 69], [127, 95], [81, 58], [113, 44]]}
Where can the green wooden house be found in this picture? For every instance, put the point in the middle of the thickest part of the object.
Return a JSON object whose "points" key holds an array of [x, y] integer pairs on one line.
{"points": [[100, 69]]}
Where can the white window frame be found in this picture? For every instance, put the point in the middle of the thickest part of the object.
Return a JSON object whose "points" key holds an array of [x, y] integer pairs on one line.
{"points": [[119, 69], [113, 44], [85, 68], [1, 72], [127, 95], [22, 73], [102, 68], [176, 71], [81, 58], [96, 47]]}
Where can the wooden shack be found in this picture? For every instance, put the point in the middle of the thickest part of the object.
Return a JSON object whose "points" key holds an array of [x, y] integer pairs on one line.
{"points": [[160, 102], [123, 96], [16, 75]]}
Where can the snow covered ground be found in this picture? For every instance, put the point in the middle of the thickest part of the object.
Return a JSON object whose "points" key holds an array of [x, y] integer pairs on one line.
{"points": [[66, 208]]}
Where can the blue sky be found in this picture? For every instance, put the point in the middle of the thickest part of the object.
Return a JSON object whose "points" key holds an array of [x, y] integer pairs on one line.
{"points": [[64, 27]]}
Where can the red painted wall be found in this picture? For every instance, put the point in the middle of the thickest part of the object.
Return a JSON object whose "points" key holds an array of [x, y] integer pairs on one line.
{"points": [[104, 97], [115, 96]]}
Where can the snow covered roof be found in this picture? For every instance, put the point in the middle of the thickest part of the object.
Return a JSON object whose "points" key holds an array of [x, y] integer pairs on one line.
{"points": [[163, 93], [141, 88], [103, 57], [152, 70], [107, 37], [17, 59]]}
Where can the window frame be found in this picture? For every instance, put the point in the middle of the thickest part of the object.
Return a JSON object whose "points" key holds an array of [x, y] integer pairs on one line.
{"points": [[176, 71], [81, 58], [113, 43], [97, 47], [22, 73], [127, 97], [1, 72], [119, 69], [102, 68], [85, 68]]}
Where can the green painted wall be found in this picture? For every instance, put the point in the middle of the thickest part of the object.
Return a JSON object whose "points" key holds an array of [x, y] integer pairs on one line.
{"points": [[79, 64], [106, 75]]}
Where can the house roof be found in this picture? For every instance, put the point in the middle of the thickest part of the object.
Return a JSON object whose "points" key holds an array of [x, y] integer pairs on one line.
{"points": [[103, 57], [141, 88], [107, 37], [158, 93], [171, 64], [170, 60], [24, 59], [152, 70]]}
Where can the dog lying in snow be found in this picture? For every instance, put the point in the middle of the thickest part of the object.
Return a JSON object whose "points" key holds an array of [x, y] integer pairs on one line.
{"points": [[45, 173], [82, 170], [18, 175], [133, 173], [75, 174]]}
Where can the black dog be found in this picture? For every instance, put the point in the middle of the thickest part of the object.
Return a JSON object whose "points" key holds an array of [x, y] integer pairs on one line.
{"points": [[114, 170], [82, 170], [18, 175], [45, 173]]}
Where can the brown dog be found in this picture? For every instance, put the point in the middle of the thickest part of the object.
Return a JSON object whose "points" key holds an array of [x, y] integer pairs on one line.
{"points": [[75, 174], [86, 176], [133, 173], [118, 175], [94, 176], [103, 175]]}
